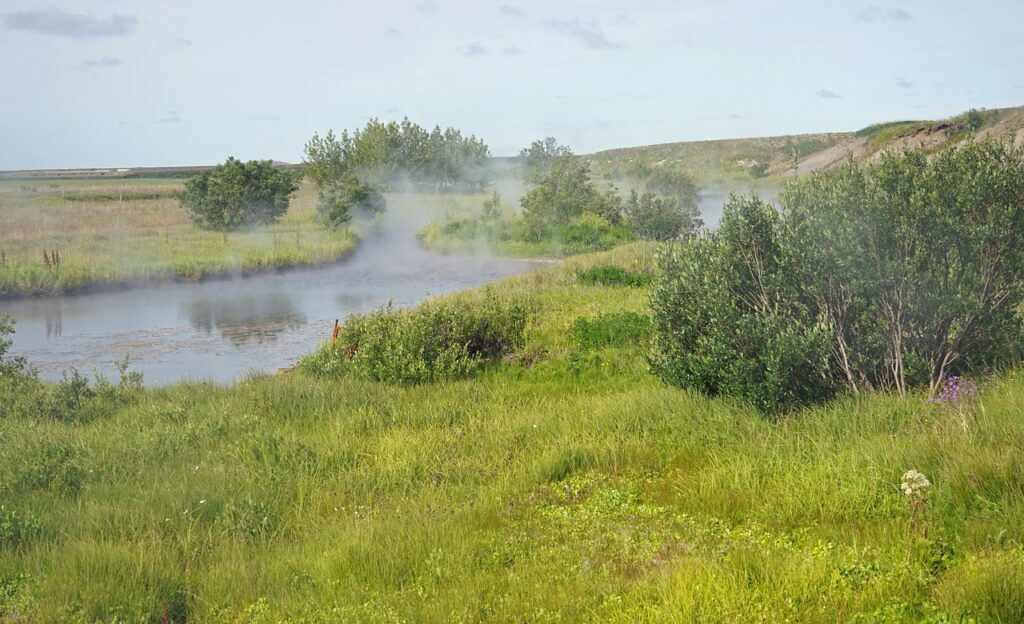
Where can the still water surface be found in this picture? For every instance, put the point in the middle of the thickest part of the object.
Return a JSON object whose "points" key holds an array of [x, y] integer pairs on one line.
{"points": [[222, 330]]}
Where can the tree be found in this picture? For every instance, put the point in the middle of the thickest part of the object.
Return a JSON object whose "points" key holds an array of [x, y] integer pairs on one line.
{"points": [[565, 193], [237, 195], [385, 152], [337, 202], [324, 161], [541, 156], [661, 218]]}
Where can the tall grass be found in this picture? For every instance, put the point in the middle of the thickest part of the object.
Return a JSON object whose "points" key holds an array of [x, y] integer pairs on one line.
{"points": [[135, 230], [545, 489]]}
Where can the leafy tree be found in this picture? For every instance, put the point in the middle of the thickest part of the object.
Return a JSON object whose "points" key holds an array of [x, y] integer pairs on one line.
{"points": [[337, 202], [384, 152], [237, 195], [541, 156], [661, 218], [565, 193], [324, 161]]}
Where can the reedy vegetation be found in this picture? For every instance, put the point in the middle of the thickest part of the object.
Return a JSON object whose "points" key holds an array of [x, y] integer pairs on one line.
{"points": [[564, 485]]}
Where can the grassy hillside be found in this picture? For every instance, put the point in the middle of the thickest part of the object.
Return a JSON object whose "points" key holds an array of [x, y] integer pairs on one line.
{"points": [[564, 484], [760, 160]]}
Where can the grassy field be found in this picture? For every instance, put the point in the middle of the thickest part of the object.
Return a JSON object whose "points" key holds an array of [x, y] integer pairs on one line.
{"points": [[126, 230], [564, 484]]}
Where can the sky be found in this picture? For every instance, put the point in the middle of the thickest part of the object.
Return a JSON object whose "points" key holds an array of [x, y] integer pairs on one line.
{"points": [[122, 83]]}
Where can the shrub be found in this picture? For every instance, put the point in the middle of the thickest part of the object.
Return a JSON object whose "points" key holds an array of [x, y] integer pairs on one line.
{"points": [[614, 276], [890, 275], [661, 218], [590, 232], [564, 195], [727, 320], [336, 203], [9, 365], [916, 263], [439, 340], [615, 329]]}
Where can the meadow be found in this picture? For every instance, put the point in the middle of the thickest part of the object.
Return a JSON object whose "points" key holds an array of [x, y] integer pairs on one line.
{"points": [[115, 231], [561, 484]]}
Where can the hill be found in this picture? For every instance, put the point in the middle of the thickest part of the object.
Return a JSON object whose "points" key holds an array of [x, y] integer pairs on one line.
{"points": [[754, 160]]}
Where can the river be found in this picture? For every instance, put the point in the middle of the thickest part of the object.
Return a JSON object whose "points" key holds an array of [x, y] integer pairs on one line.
{"points": [[221, 330]]}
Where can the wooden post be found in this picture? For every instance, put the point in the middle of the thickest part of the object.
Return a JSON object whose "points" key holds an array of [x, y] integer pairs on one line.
{"points": [[334, 334]]}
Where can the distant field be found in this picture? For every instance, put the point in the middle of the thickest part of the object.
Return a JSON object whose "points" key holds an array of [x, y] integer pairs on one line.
{"points": [[117, 230]]}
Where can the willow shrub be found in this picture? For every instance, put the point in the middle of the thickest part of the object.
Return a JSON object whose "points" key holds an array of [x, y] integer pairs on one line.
{"points": [[728, 320], [891, 275], [440, 340]]}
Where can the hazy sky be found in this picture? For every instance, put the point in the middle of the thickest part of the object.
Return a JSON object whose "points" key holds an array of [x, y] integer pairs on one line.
{"points": [[95, 83]]}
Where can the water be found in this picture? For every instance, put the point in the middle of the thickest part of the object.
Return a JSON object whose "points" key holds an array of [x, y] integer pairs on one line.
{"points": [[223, 330], [710, 201]]}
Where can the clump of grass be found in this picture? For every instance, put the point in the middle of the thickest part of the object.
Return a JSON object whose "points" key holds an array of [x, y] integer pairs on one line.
{"points": [[615, 276], [440, 340], [611, 329]]}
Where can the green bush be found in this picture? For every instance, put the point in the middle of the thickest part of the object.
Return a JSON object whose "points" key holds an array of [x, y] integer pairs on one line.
{"points": [[614, 329], [614, 276], [662, 218], [439, 340], [892, 276], [590, 232], [336, 203], [727, 324], [566, 194]]}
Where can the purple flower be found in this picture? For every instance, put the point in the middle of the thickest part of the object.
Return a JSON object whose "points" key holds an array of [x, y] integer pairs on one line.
{"points": [[954, 390]]}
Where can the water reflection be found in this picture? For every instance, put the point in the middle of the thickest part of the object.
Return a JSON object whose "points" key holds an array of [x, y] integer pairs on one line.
{"points": [[54, 322], [245, 318], [222, 330]]}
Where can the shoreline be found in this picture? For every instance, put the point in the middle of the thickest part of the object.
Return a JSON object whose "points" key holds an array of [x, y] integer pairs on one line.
{"points": [[105, 286]]}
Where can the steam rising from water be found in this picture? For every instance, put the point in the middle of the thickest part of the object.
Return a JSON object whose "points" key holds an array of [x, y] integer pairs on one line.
{"points": [[221, 330]]}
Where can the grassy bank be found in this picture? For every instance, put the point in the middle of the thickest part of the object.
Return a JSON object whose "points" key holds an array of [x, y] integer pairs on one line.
{"points": [[561, 484], [109, 232]]}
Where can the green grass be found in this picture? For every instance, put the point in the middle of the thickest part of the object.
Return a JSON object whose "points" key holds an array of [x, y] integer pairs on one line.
{"points": [[557, 485], [117, 231]]}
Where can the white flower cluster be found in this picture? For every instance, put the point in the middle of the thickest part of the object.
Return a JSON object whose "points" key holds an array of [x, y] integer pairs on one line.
{"points": [[914, 483]]}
